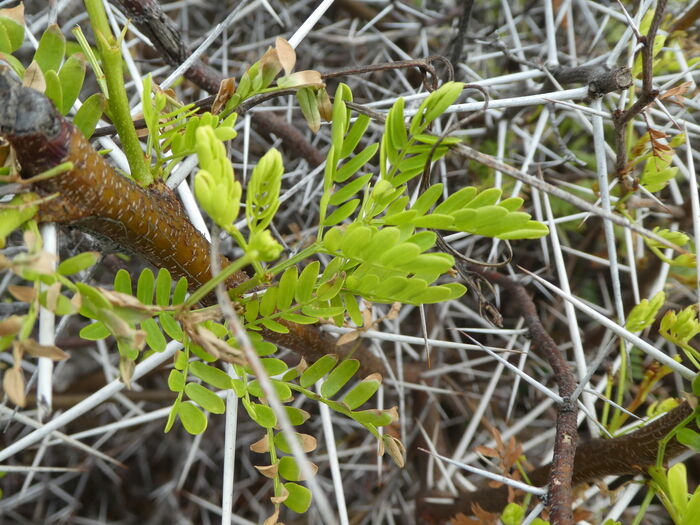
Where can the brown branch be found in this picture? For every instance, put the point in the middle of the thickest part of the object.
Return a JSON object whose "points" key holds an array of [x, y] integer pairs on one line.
{"points": [[149, 18], [687, 19], [630, 454], [561, 472], [646, 97], [457, 53]]}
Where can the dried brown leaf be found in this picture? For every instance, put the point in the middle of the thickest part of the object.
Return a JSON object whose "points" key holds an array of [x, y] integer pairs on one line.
{"points": [[272, 520], [395, 449], [487, 451], [13, 384], [22, 293], [308, 443], [269, 471], [306, 78], [261, 445], [463, 519], [286, 55], [35, 349], [226, 90], [676, 92], [348, 337], [486, 518], [280, 499], [34, 78], [77, 301], [126, 370], [325, 107], [52, 293], [15, 13], [11, 325]]}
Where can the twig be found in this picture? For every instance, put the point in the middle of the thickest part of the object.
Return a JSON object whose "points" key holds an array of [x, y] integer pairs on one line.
{"points": [[458, 43], [620, 116], [148, 16], [561, 473]]}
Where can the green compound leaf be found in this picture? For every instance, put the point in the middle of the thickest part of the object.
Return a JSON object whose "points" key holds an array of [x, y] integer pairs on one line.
{"points": [[268, 302], [341, 213], [355, 164], [678, 487], [274, 366], [53, 88], [317, 370], [299, 499], [263, 415], [171, 326], [373, 417], [306, 282], [205, 398], [363, 391], [78, 263], [284, 393], [339, 377], [273, 325], [193, 419], [435, 105], [180, 291], [210, 375], [352, 139], [286, 288], [349, 190], [263, 190], [122, 282]]}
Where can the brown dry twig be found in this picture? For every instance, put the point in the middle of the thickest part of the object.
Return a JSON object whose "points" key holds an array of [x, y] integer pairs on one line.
{"points": [[149, 18], [622, 117], [561, 472]]}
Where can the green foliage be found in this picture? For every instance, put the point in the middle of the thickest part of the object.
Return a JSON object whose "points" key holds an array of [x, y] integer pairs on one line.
{"points": [[671, 486], [644, 314], [377, 241], [685, 260], [15, 213], [679, 328], [11, 29], [216, 190]]}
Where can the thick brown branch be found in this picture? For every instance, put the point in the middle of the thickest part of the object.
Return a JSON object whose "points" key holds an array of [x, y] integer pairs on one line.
{"points": [[629, 454]]}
